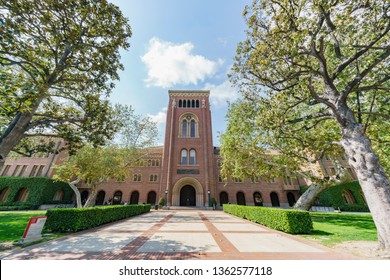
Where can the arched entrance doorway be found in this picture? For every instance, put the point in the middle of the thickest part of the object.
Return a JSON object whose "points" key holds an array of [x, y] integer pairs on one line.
{"points": [[223, 198], [291, 199], [151, 197], [175, 199], [134, 198], [241, 198], [187, 196], [100, 198], [258, 199], [275, 199]]}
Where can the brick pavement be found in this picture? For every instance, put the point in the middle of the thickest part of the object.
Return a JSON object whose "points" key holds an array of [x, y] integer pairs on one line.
{"points": [[179, 235]]}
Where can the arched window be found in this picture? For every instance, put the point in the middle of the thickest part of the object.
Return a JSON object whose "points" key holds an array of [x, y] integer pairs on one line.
{"points": [[134, 197], [291, 199], [158, 162], [180, 103], [193, 129], [223, 198], [188, 103], [4, 194], [197, 103], [59, 195], [184, 128], [183, 160], [22, 195], [275, 199], [193, 103], [348, 197], [100, 198], [192, 157], [257, 199], [188, 126], [241, 198], [117, 199], [151, 197], [184, 104]]}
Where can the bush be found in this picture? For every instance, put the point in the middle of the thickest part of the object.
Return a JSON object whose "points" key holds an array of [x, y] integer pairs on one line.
{"points": [[76, 219], [332, 197], [41, 190], [290, 221]]}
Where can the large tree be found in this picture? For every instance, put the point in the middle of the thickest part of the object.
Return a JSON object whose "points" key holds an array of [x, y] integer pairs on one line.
{"points": [[58, 61], [91, 167], [331, 57]]}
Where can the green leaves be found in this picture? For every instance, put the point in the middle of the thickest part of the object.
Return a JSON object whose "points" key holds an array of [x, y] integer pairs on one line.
{"points": [[58, 61]]}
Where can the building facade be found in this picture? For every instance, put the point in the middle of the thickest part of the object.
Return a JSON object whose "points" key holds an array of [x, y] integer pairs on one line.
{"points": [[185, 171]]}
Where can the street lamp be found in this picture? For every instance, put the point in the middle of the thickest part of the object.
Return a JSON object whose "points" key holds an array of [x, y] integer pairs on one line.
{"points": [[208, 192], [166, 198]]}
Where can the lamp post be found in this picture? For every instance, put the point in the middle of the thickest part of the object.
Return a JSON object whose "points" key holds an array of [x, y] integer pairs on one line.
{"points": [[208, 192], [166, 198]]}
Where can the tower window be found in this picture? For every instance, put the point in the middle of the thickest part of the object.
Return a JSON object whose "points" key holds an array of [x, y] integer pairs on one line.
{"points": [[183, 160], [192, 157], [188, 126], [184, 128]]}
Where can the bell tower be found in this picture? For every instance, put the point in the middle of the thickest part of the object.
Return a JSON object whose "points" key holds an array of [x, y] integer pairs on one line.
{"points": [[187, 169]]}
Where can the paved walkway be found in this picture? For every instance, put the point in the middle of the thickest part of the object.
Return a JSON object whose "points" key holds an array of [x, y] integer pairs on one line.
{"points": [[181, 234]]}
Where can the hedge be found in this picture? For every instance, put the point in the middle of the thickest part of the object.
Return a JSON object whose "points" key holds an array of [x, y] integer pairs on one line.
{"points": [[332, 197], [290, 221], [41, 190], [76, 219]]}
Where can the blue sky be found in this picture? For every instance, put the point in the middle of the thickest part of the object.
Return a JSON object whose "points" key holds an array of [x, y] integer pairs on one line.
{"points": [[179, 44]]}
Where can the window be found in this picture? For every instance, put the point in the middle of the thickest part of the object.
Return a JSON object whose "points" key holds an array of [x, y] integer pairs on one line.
{"points": [[183, 160], [4, 194], [237, 180], [287, 180], [157, 162], [137, 178], [16, 170], [220, 179], [5, 170], [22, 170], [271, 180], [33, 170], [348, 197], [117, 199], [193, 127], [192, 157], [255, 179], [40, 169], [332, 171], [188, 126], [21, 195], [120, 178], [153, 178]]}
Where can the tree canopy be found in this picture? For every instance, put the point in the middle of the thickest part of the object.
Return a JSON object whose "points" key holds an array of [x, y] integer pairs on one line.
{"points": [[58, 62], [316, 73]]}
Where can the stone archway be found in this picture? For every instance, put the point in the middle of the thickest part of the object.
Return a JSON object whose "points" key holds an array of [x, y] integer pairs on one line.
{"points": [[195, 184]]}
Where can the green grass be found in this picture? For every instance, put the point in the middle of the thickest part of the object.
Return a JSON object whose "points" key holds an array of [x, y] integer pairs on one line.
{"points": [[333, 228], [13, 224]]}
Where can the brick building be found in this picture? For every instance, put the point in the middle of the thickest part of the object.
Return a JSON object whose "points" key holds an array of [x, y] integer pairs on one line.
{"points": [[185, 171]]}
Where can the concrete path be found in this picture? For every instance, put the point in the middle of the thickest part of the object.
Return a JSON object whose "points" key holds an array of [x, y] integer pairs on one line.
{"points": [[179, 234]]}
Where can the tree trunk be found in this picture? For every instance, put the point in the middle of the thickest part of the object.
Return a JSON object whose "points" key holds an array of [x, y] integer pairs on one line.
{"points": [[308, 198], [15, 131], [77, 193], [372, 178], [91, 197]]}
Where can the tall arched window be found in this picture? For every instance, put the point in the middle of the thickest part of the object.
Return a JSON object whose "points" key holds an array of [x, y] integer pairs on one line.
{"points": [[348, 197], [183, 160], [184, 128], [193, 129], [258, 200], [275, 199], [192, 157], [180, 103], [193, 103], [197, 103], [117, 199]]}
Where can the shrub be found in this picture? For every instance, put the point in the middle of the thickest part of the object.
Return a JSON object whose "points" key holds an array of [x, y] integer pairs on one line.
{"points": [[41, 190], [290, 221], [76, 219], [332, 197]]}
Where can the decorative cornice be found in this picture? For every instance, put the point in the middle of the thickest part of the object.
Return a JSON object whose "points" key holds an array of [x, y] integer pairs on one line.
{"points": [[189, 93]]}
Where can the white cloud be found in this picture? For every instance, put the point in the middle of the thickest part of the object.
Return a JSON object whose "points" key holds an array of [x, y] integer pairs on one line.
{"points": [[170, 64], [160, 117], [220, 94]]}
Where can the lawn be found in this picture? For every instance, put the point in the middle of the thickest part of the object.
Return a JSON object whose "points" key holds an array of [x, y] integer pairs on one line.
{"points": [[333, 228], [13, 224]]}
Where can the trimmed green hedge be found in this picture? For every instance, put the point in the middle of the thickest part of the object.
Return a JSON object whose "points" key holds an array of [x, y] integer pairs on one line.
{"points": [[332, 197], [41, 190], [290, 221], [76, 219]]}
